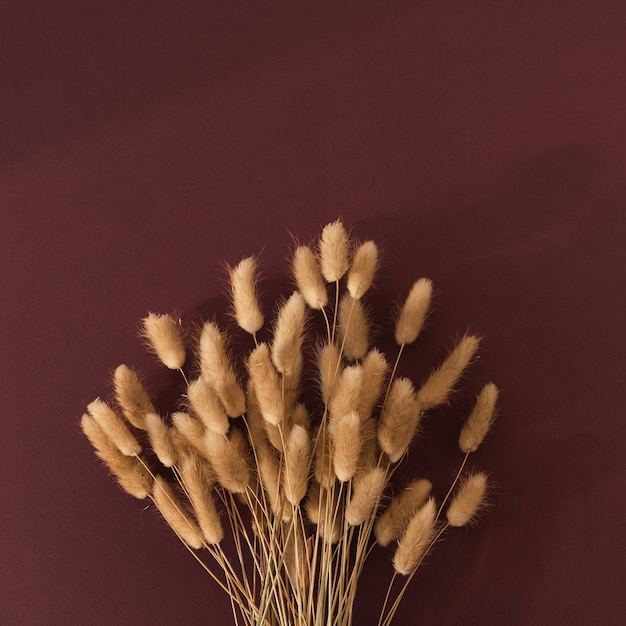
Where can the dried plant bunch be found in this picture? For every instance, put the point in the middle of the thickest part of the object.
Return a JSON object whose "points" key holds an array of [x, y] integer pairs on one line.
{"points": [[287, 454]]}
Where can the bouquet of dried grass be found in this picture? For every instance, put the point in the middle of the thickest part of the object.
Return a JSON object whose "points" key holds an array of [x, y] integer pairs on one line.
{"points": [[301, 489]]}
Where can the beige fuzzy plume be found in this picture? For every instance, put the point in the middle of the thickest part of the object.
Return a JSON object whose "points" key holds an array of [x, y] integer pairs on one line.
{"points": [[114, 428], [266, 384], [353, 327], [198, 480], [469, 498], [417, 539], [131, 396], [190, 430], [173, 512], [229, 459], [414, 311], [255, 422], [161, 439], [268, 467], [131, 475], [394, 521], [399, 419], [308, 277], [480, 419], [366, 495], [163, 335], [441, 382], [244, 294], [288, 333], [347, 395], [296, 474], [363, 269], [334, 251], [347, 445], [369, 444], [329, 366], [206, 405], [300, 416], [218, 372], [324, 472], [375, 369]]}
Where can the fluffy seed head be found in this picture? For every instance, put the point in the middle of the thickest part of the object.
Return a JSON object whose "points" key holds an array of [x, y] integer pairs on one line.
{"points": [[469, 498], [190, 430], [161, 439], [308, 277], [353, 327], [296, 475], [114, 428], [206, 405], [399, 419], [366, 495], [198, 480], [288, 334], [218, 372], [244, 294], [441, 382], [131, 396], [374, 371], [229, 459], [480, 419], [363, 269], [131, 475], [346, 397], [394, 521], [347, 445], [173, 511], [329, 367], [414, 311], [334, 251], [324, 473], [163, 335], [416, 540], [266, 384]]}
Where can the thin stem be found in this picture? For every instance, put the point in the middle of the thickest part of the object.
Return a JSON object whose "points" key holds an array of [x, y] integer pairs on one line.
{"points": [[453, 485]]}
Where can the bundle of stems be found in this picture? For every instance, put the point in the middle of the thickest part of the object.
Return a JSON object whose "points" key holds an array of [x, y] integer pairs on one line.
{"points": [[301, 490]]}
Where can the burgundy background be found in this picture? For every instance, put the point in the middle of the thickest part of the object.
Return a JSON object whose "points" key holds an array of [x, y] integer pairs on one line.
{"points": [[483, 144]]}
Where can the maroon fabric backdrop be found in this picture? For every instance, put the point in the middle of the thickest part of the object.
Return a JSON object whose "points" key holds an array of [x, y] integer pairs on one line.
{"points": [[483, 144]]}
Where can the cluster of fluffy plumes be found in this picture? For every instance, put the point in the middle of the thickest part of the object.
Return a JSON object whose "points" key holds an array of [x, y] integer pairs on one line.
{"points": [[301, 489]]}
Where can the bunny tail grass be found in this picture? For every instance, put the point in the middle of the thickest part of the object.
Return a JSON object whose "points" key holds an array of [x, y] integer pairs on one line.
{"points": [[164, 337], [416, 540], [394, 521], [130, 473], [198, 480], [414, 311], [245, 299], [353, 327], [288, 335], [161, 439], [172, 510], [334, 253], [363, 269], [469, 498], [206, 405], [480, 419], [441, 382], [114, 428], [218, 372], [367, 491], [131, 396], [308, 278]]}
